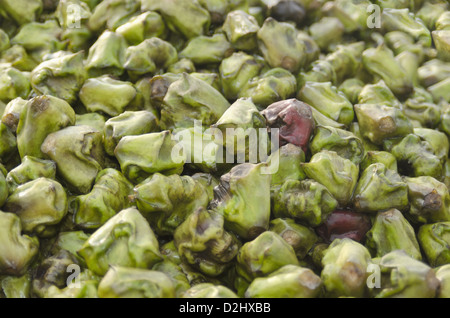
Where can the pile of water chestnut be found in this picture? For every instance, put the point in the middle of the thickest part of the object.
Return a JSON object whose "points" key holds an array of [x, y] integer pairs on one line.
{"points": [[224, 149]]}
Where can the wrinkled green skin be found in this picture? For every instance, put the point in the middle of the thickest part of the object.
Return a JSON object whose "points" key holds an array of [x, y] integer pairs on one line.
{"points": [[307, 201], [383, 157], [391, 231], [405, 277], [242, 116], [206, 156], [30, 169], [437, 141], [290, 281], [170, 253], [4, 41], [289, 158], [16, 287], [54, 280], [86, 289], [380, 188], [378, 93], [434, 240], [300, 237], [23, 11], [70, 241], [343, 142], [443, 274], [157, 159], [11, 113], [235, 72], [327, 32], [40, 204], [264, 255], [141, 27], [207, 50], [246, 213], [123, 282], [126, 239], [447, 173], [166, 201], [182, 66], [202, 242], [107, 55], [352, 87], [17, 56], [400, 19], [175, 272], [107, 95], [415, 156], [40, 117], [352, 14], [190, 99], [186, 17], [208, 290], [368, 145], [127, 124], [94, 120], [18, 251], [61, 77], [429, 200], [13, 83], [344, 269], [149, 56], [288, 51], [328, 100], [442, 40], [440, 91], [65, 15], [53, 272], [39, 37], [336, 66], [110, 14], [424, 111], [109, 195], [432, 72], [337, 174], [78, 153], [378, 122], [380, 62], [241, 29], [195, 277], [271, 86]]}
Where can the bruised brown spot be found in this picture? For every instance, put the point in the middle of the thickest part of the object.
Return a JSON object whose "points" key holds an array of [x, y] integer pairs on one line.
{"points": [[291, 237], [255, 231], [387, 124], [288, 63], [432, 281], [201, 227], [40, 104], [353, 275], [432, 201], [11, 120], [158, 88]]}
